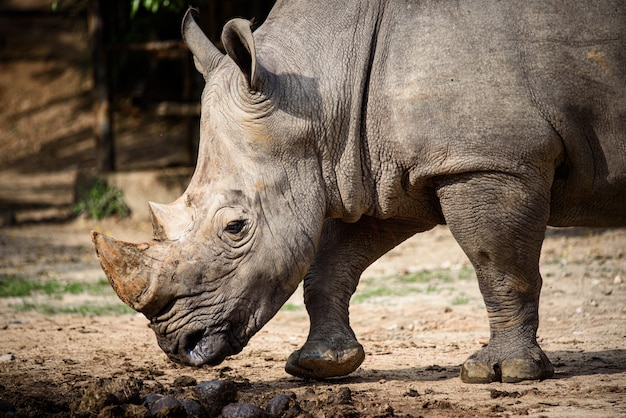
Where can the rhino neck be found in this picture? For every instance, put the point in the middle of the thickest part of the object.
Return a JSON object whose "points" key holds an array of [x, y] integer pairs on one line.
{"points": [[332, 74], [353, 169]]}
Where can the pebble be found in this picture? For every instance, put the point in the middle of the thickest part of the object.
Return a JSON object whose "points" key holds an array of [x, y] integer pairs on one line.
{"points": [[243, 410], [168, 407], [5, 358], [193, 408], [618, 280], [215, 395], [344, 396], [151, 398], [280, 404]]}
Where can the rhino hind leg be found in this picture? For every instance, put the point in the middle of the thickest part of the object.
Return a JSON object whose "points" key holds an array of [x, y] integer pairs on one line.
{"points": [[331, 349], [488, 365], [500, 224]]}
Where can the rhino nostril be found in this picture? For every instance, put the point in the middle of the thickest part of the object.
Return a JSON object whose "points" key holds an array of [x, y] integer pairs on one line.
{"points": [[191, 341]]}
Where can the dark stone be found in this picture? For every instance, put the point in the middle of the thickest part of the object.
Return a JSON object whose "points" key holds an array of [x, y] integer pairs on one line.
{"points": [[168, 407], [284, 406], [278, 405], [214, 395], [243, 410], [193, 408], [344, 396], [151, 398]]}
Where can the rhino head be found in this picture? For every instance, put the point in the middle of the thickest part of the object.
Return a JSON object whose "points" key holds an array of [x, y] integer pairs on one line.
{"points": [[229, 252]]}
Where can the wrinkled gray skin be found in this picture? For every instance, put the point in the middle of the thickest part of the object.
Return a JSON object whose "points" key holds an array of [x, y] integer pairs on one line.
{"points": [[338, 131]]}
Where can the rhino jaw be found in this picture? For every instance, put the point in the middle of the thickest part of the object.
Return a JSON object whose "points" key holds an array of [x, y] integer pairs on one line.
{"points": [[129, 268]]}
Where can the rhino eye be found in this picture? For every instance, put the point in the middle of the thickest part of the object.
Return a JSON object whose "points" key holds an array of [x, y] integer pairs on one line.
{"points": [[235, 227]]}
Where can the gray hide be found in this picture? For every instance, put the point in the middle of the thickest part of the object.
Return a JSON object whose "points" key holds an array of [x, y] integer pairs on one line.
{"points": [[339, 129]]}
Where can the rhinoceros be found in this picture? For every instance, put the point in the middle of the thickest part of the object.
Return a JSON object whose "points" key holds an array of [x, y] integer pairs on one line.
{"points": [[337, 130]]}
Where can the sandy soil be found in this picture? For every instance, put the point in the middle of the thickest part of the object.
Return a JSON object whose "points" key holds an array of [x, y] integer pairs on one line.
{"points": [[414, 342]]}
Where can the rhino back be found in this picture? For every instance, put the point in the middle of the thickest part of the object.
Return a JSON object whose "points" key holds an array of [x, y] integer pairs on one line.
{"points": [[577, 78], [408, 91], [507, 86]]}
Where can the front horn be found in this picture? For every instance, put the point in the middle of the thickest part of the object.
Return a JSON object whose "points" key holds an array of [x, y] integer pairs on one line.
{"points": [[132, 270]]}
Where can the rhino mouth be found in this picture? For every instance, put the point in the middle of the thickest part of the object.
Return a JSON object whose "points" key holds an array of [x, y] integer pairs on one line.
{"points": [[202, 347]]}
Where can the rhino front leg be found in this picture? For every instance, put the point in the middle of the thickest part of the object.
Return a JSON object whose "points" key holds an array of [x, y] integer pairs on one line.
{"points": [[499, 220], [331, 348]]}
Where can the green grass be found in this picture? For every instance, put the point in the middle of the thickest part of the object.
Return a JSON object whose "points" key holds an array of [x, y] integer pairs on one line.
{"points": [[423, 281], [380, 291], [15, 286], [84, 310], [98, 200], [292, 307], [47, 292], [460, 300], [441, 275]]}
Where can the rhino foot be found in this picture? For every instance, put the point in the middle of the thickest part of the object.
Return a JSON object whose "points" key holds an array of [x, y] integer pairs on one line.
{"points": [[319, 360], [487, 365]]}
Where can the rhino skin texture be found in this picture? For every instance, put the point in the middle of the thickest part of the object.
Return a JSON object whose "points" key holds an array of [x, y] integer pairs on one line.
{"points": [[335, 132]]}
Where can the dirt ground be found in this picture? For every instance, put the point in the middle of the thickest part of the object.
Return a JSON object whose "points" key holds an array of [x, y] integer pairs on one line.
{"points": [[414, 342], [415, 333]]}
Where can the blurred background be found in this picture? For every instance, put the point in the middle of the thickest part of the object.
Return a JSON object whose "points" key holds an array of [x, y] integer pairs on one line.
{"points": [[99, 104]]}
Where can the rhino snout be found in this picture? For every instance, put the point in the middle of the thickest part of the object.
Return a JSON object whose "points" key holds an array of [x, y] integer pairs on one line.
{"points": [[198, 348]]}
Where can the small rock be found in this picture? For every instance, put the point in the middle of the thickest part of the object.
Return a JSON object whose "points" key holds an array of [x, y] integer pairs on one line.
{"points": [[344, 396], [243, 410], [6, 358], [435, 368], [484, 341], [618, 280], [168, 407], [280, 404], [495, 393], [151, 398], [215, 395], [193, 408], [412, 393]]}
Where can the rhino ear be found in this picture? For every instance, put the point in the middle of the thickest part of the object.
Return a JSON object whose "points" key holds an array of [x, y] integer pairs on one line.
{"points": [[205, 55], [239, 45]]}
